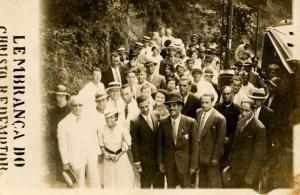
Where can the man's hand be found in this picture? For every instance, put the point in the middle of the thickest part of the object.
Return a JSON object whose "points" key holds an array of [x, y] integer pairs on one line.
{"points": [[227, 140], [162, 168], [192, 171], [214, 162], [138, 167], [66, 166], [248, 180]]}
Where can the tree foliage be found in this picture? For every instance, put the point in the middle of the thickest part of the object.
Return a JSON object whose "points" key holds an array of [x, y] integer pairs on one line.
{"points": [[79, 34]]}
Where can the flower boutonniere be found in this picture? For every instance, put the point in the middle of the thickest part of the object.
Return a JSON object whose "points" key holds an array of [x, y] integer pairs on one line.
{"points": [[185, 135]]}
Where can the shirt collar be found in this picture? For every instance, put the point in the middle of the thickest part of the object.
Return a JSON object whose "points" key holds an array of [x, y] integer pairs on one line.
{"points": [[146, 116], [257, 111], [248, 121], [208, 112], [177, 119]]}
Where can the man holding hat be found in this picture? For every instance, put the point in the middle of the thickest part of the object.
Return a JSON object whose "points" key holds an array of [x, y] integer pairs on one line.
{"points": [[177, 144], [248, 149], [78, 144], [55, 115], [265, 115], [156, 79]]}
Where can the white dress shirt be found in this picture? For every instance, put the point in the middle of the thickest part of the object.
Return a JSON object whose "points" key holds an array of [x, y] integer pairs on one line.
{"points": [[116, 74], [177, 121], [207, 114], [133, 112], [257, 112], [149, 120]]}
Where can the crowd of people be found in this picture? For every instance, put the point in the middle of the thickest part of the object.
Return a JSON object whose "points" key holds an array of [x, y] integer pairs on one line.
{"points": [[158, 116]]}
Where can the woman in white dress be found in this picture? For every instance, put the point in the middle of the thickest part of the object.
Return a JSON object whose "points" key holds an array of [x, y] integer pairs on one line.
{"points": [[115, 142]]}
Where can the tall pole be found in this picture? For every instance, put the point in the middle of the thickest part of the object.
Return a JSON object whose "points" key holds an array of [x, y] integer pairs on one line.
{"points": [[256, 31], [222, 33], [229, 35]]}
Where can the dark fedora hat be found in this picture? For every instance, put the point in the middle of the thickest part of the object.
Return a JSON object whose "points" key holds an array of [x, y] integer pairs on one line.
{"points": [[70, 177], [275, 82], [174, 98], [258, 94], [227, 175]]}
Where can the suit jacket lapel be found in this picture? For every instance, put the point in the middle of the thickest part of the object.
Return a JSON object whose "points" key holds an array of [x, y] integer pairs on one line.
{"points": [[170, 129], [187, 104], [179, 131], [247, 128], [208, 122], [143, 120], [154, 122]]}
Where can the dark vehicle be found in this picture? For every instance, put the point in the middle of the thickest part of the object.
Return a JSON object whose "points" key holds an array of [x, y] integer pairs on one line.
{"points": [[279, 48]]}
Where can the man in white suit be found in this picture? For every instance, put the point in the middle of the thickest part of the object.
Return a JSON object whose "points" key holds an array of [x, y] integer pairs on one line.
{"points": [[78, 144]]}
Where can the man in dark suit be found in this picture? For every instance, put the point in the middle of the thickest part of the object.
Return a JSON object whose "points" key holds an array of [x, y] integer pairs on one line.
{"points": [[248, 148], [156, 79], [212, 132], [231, 112], [143, 130], [115, 72], [191, 102], [177, 144], [266, 116], [55, 115]]}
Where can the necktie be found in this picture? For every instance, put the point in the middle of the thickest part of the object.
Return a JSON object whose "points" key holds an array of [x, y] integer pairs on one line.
{"points": [[242, 125], [174, 131], [149, 121], [202, 121], [126, 111]]}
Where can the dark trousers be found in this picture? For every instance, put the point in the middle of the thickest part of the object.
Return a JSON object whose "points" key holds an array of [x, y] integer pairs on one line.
{"points": [[174, 177], [193, 180], [209, 176], [238, 181], [152, 176]]}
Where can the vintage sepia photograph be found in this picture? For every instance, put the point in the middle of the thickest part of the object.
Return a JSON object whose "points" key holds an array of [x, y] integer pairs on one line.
{"points": [[165, 94]]}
